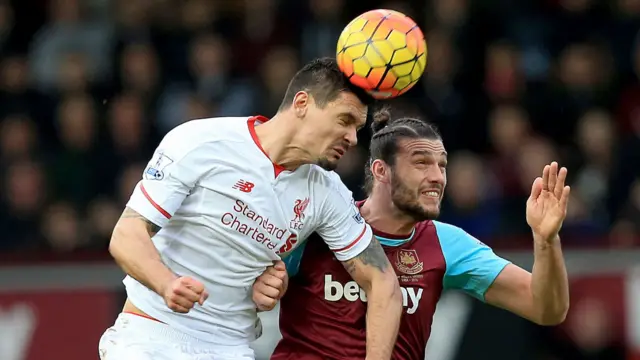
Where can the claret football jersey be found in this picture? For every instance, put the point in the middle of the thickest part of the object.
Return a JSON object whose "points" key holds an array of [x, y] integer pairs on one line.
{"points": [[323, 313], [227, 212]]}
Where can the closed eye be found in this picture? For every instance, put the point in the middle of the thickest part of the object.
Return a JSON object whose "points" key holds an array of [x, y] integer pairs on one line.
{"points": [[348, 119]]}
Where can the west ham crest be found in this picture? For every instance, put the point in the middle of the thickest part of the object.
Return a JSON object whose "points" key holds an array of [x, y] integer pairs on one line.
{"points": [[408, 262]]}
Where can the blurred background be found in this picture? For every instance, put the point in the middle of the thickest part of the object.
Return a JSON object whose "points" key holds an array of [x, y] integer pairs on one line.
{"points": [[89, 87]]}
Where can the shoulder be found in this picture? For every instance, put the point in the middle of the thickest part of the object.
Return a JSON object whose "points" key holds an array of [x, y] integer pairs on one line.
{"points": [[449, 233], [208, 130], [331, 193], [202, 134], [327, 181], [322, 176], [454, 240]]}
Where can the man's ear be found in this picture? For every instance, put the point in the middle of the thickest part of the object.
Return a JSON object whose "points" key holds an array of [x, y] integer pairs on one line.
{"points": [[381, 171], [301, 102]]}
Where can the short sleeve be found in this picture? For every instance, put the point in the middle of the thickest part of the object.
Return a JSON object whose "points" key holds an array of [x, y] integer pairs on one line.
{"points": [[471, 265], [342, 227], [174, 170]]}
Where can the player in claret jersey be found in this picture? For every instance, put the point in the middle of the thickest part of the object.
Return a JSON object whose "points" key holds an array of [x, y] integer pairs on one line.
{"points": [[323, 314], [222, 199]]}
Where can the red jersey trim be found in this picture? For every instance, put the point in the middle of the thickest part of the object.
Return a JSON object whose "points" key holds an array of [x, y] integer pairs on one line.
{"points": [[277, 169], [354, 242], [142, 316], [162, 211]]}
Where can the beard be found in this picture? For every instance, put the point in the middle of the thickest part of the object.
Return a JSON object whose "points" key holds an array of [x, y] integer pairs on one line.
{"points": [[327, 164], [407, 201]]}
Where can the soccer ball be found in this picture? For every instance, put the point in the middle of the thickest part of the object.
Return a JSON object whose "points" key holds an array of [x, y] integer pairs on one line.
{"points": [[382, 52]]}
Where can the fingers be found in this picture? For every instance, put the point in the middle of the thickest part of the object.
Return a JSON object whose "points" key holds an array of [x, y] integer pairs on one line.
{"points": [[189, 289], [192, 284], [272, 281], [265, 296], [270, 286], [559, 187], [285, 285], [268, 289], [197, 288], [184, 293], [179, 303], [545, 177], [264, 302], [278, 270], [179, 308], [281, 269], [187, 294], [553, 176], [554, 179], [536, 188], [279, 265], [564, 198]]}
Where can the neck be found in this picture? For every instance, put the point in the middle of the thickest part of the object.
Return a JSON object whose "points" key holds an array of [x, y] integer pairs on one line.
{"points": [[380, 212], [278, 139]]}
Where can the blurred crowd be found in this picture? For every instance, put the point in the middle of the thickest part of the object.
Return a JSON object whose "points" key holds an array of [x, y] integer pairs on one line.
{"points": [[89, 87]]}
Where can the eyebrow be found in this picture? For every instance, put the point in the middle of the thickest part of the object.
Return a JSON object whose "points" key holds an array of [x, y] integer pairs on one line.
{"points": [[428, 153]]}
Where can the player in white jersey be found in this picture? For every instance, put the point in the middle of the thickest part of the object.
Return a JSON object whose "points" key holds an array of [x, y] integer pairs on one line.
{"points": [[224, 198]]}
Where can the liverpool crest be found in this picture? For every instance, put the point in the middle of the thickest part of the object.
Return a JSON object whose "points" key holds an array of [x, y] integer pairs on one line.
{"points": [[298, 213]]}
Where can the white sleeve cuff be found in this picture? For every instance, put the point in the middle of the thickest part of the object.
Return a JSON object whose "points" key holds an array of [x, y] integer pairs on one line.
{"points": [[356, 246], [142, 203]]}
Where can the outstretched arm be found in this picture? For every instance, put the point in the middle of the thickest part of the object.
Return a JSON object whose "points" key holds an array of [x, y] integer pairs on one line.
{"points": [[375, 275], [542, 296]]}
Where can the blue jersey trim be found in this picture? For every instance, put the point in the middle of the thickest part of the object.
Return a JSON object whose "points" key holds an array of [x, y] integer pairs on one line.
{"points": [[395, 242], [292, 261]]}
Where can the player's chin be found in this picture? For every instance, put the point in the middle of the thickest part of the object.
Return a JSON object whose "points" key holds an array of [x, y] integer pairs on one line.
{"points": [[328, 163], [431, 208]]}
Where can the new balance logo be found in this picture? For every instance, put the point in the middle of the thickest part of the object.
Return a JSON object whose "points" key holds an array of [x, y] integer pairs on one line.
{"points": [[244, 186]]}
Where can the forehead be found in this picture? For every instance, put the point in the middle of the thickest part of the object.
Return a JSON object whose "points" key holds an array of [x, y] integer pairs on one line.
{"points": [[421, 147], [349, 103]]}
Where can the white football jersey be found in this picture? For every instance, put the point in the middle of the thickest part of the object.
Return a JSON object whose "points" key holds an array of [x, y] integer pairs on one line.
{"points": [[227, 212]]}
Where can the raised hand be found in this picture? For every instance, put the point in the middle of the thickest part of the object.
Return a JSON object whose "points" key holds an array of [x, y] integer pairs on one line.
{"points": [[547, 205]]}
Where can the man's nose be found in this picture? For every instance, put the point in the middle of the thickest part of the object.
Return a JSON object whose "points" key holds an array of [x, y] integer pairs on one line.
{"points": [[352, 137], [435, 175]]}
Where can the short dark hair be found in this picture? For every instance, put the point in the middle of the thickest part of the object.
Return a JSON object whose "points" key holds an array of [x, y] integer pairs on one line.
{"points": [[323, 80], [386, 135]]}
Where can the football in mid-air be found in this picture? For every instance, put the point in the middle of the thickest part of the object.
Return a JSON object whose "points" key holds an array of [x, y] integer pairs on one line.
{"points": [[383, 52]]}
